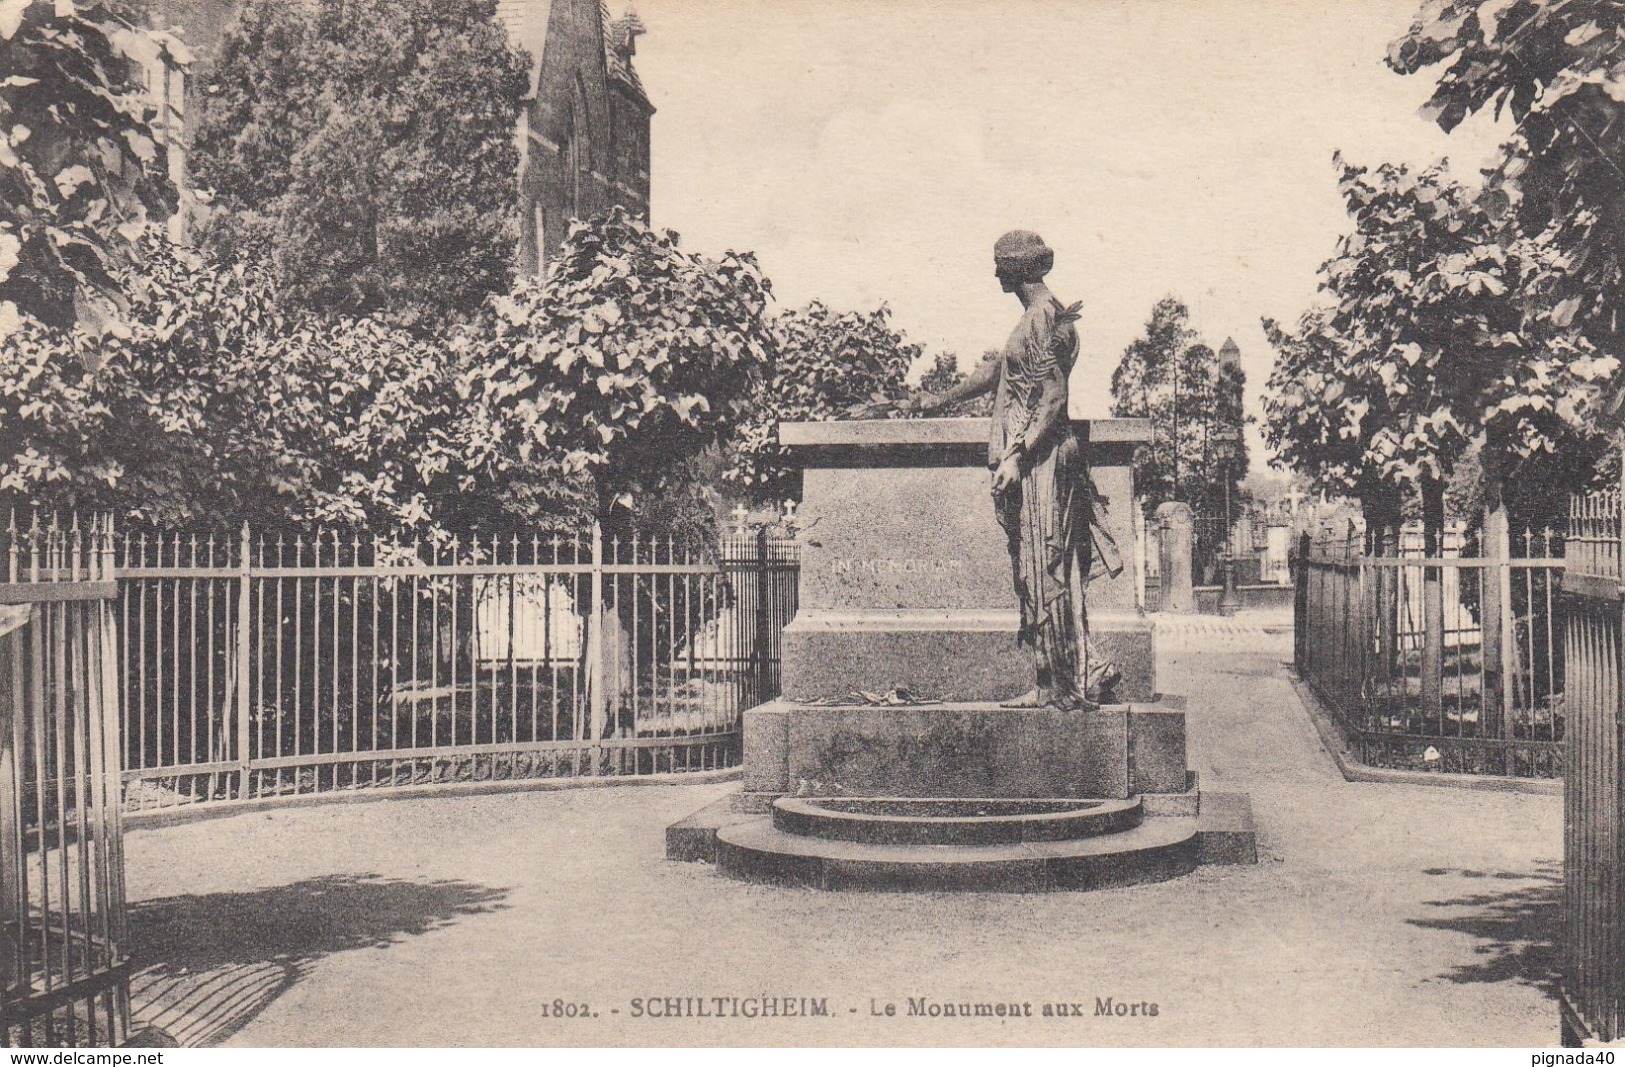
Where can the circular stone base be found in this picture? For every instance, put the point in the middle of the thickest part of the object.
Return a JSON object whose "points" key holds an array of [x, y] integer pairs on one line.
{"points": [[959, 821], [1157, 849]]}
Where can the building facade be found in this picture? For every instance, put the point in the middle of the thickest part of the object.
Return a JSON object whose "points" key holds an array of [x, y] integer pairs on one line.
{"points": [[583, 129]]}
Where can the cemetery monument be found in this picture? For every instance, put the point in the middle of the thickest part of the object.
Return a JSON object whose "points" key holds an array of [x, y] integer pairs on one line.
{"points": [[911, 748]]}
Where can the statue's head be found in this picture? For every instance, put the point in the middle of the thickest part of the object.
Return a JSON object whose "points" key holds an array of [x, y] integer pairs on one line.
{"points": [[1021, 257]]}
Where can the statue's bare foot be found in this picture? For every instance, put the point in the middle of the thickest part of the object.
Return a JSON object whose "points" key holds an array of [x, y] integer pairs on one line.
{"points": [[1030, 699], [1075, 703]]}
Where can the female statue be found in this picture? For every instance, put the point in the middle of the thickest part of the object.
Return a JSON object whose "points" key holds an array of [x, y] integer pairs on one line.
{"points": [[1042, 492]]}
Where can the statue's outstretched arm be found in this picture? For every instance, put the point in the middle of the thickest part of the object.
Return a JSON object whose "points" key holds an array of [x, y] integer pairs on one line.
{"points": [[981, 380]]}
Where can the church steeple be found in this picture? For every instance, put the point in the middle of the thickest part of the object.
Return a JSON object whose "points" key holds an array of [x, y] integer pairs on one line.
{"points": [[1230, 353]]}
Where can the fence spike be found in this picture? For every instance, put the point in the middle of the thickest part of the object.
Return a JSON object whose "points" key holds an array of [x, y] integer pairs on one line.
{"points": [[109, 556]]}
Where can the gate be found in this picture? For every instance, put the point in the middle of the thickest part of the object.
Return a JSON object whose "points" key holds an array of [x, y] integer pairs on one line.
{"points": [[62, 907], [1593, 798]]}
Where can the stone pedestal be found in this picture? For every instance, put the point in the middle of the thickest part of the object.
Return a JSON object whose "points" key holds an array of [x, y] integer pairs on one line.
{"points": [[965, 750], [905, 574], [905, 583]]}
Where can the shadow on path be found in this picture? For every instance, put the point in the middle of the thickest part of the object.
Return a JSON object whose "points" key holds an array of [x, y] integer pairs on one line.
{"points": [[1517, 927], [221, 958]]}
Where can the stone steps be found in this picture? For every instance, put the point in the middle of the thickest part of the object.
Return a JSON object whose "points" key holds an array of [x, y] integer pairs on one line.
{"points": [[1154, 850], [921, 821]]}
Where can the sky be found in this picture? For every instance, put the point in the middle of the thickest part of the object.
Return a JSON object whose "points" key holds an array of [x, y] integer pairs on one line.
{"points": [[872, 151]]}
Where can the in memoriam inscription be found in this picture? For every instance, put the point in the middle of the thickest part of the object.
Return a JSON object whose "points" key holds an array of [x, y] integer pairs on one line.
{"points": [[924, 568]]}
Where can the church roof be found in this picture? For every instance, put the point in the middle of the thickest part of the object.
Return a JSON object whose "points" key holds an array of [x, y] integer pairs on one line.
{"points": [[620, 36], [526, 22], [1230, 352]]}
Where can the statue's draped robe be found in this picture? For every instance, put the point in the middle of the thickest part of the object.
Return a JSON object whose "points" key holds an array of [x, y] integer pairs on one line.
{"points": [[1048, 515]]}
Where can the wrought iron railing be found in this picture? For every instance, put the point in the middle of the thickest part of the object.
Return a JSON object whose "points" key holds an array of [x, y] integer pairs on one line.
{"points": [[1593, 987], [1438, 664], [64, 977], [255, 666]]}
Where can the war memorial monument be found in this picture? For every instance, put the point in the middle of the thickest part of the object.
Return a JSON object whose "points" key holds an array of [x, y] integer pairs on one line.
{"points": [[912, 748]]}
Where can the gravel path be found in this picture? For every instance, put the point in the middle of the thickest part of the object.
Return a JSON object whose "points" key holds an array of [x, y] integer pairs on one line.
{"points": [[1379, 915]]}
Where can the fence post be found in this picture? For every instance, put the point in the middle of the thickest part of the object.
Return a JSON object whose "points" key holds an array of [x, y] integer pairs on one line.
{"points": [[1300, 603], [1433, 600], [1495, 598], [13, 852], [597, 698], [244, 724], [764, 624], [1508, 637]]}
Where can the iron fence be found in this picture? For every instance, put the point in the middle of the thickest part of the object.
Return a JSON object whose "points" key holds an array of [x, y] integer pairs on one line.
{"points": [[1593, 985], [258, 665], [63, 968], [1440, 664]]}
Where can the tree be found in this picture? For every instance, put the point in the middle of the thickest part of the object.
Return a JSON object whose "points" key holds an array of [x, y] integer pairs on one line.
{"points": [[214, 407], [829, 364], [1440, 340], [1431, 344], [1320, 422], [1558, 66], [631, 357], [367, 148], [574, 396], [628, 362], [79, 167], [1168, 376], [945, 374]]}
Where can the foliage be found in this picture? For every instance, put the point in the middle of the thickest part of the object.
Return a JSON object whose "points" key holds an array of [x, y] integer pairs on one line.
{"points": [[612, 377], [1323, 441], [217, 408], [1558, 68], [79, 167], [368, 146], [631, 358], [1427, 342], [1168, 376], [945, 374], [829, 364]]}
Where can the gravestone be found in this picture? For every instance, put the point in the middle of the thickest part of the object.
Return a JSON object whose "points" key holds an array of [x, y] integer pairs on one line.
{"points": [[1174, 522], [905, 574]]}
